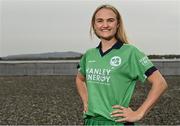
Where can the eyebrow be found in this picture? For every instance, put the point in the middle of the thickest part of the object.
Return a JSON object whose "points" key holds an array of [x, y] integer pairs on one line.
{"points": [[105, 19]]}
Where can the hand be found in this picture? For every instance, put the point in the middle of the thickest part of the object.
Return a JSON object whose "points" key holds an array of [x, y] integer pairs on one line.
{"points": [[85, 108], [127, 114]]}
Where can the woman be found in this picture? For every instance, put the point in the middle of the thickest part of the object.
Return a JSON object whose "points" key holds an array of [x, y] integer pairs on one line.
{"points": [[108, 73]]}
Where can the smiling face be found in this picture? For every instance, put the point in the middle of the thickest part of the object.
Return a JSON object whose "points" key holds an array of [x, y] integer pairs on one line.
{"points": [[105, 24]]}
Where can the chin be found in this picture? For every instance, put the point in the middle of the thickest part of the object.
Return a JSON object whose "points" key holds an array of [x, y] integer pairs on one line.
{"points": [[107, 37]]}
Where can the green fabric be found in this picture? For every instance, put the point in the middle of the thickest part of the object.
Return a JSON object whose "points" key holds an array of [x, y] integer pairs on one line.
{"points": [[99, 120], [111, 78], [91, 122]]}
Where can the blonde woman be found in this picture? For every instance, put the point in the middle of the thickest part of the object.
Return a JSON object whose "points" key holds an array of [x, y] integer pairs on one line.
{"points": [[108, 74]]}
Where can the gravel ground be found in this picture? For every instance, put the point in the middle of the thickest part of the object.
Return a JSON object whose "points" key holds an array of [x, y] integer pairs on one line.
{"points": [[53, 100]]}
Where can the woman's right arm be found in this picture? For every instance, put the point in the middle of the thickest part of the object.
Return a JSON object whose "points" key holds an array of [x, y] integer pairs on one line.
{"points": [[82, 90]]}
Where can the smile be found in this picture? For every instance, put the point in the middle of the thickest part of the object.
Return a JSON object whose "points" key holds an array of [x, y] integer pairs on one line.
{"points": [[105, 30]]}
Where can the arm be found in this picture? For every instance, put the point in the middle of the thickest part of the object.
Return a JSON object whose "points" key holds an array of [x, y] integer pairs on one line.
{"points": [[82, 90], [159, 86]]}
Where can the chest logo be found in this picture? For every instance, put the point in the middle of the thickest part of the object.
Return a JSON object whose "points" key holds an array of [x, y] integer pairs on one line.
{"points": [[115, 61]]}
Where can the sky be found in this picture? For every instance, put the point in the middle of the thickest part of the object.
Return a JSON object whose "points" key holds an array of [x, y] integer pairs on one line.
{"points": [[39, 26]]}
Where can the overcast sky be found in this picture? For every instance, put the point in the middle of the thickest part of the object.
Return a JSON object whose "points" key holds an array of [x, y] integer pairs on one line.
{"points": [[38, 26]]}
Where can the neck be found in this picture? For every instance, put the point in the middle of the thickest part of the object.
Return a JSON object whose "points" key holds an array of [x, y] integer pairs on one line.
{"points": [[107, 44]]}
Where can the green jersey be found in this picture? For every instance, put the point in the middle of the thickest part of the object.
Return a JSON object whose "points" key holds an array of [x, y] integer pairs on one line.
{"points": [[111, 76]]}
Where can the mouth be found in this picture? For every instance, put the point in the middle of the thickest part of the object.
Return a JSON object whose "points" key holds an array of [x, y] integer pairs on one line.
{"points": [[105, 30]]}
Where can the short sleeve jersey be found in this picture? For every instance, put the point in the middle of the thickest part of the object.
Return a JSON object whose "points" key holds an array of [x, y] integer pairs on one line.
{"points": [[111, 76]]}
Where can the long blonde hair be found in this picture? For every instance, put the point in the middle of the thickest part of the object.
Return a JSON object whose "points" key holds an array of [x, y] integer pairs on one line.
{"points": [[120, 34]]}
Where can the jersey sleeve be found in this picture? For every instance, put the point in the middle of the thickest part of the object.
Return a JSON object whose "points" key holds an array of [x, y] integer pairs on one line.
{"points": [[141, 65], [82, 65]]}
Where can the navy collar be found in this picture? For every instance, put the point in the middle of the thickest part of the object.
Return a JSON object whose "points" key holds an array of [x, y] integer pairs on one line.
{"points": [[117, 45]]}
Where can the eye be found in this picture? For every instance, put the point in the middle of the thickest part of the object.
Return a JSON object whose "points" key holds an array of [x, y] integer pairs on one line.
{"points": [[99, 21], [111, 20]]}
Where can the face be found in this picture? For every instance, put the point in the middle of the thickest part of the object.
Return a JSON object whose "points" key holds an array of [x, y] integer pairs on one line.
{"points": [[105, 24]]}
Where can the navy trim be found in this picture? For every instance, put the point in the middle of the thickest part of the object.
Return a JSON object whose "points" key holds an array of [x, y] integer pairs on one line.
{"points": [[150, 71], [117, 45], [78, 66], [129, 124]]}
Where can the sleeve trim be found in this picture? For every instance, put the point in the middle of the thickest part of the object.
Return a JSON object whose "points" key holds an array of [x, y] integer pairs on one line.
{"points": [[78, 66], [150, 71]]}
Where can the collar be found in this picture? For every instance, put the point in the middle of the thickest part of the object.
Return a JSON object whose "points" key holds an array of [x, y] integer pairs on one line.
{"points": [[117, 45]]}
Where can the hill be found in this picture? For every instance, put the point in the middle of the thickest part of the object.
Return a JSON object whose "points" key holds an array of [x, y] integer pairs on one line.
{"points": [[69, 55], [45, 56]]}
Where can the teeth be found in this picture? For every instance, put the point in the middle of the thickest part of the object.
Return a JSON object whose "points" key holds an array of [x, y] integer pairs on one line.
{"points": [[105, 30]]}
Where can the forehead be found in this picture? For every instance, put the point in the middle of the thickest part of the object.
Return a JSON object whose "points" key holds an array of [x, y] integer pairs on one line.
{"points": [[105, 13]]}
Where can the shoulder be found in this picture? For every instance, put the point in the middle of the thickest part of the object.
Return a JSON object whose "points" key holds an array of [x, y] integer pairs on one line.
{"points": [[91, 50], [133, 51], [132, 48]]}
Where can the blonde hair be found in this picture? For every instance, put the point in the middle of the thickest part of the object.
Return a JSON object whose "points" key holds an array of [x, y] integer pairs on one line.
{"points": [[120, 34]]}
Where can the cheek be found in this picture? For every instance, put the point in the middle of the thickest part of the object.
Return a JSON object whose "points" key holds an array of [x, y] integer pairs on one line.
{"points": [[97, 26], [115, 27]]}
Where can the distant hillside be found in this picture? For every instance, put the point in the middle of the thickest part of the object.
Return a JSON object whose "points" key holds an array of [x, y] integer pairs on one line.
{"points": [[164, 56], [45, 56], [68, 56]]}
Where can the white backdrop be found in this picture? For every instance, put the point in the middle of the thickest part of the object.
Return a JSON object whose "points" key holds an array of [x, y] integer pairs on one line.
{"points": [[37, 26]]}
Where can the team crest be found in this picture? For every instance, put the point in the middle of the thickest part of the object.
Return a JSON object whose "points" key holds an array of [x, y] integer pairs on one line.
{"points": [[115, 61]]}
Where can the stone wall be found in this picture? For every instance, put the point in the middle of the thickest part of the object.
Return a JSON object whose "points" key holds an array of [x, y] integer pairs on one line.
{"points": [[69, 67]]}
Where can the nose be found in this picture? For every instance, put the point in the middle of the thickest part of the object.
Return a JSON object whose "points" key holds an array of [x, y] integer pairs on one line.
{"points": [[105, 24]]}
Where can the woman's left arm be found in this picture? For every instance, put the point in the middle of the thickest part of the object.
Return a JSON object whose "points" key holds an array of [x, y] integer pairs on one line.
{"points": [[159, 86]]}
